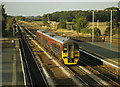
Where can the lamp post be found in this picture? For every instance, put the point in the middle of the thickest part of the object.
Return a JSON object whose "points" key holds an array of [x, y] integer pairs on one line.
{"points": [[93, 11], [92, 27], [97, 23], [111, 30], [13, 30], [111, 27]]}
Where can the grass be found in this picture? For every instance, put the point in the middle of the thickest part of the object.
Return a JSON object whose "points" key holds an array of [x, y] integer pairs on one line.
{"points": [[38, 25], [102, 25]]}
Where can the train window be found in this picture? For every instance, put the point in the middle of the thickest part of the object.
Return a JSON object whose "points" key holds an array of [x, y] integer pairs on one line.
{"points": [[39, 35], [58, 47], [70, 47], [46, 40], [65, 48], [76, 46], [43, 40], [53, 45]]}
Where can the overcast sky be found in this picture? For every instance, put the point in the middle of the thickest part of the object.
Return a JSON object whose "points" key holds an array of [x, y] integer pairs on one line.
{"points": [[39, 8]]}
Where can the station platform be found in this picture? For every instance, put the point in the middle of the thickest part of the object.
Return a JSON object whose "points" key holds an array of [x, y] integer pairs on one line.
{"points": [[12, 74], [103, 49]]}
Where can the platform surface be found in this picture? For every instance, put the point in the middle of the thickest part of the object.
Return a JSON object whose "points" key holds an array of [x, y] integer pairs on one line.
{"points": [[12, 74], [103, 49]]}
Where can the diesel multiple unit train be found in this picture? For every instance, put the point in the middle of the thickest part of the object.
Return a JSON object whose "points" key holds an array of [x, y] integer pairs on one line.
{"points": [[65, 49]]}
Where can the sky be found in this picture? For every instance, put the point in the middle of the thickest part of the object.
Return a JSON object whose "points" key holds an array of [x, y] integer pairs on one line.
{"points": [[35, 7]]}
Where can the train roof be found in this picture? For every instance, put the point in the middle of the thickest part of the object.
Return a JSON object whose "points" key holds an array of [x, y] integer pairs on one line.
{"points": [[54, 36]]}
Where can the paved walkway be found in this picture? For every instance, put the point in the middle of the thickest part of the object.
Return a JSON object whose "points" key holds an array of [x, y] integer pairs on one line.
{"points": [[11, 66], [103, 49]]}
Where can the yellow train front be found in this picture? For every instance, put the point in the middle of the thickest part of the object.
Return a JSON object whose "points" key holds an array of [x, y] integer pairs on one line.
{"points": [[65, 49], [70, 52]]}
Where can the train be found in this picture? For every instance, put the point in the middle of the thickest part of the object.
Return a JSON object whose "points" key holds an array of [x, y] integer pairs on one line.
{"points": [[67, 50]]}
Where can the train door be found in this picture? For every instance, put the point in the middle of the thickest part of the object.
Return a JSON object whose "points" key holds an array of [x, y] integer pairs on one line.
{"points": [[70, 51]]}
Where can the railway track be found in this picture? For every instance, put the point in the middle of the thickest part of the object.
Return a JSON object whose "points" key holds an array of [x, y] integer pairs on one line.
{"points": [[47, 62], [85, 77], [33, 72], [87, 80], [100, 70]]}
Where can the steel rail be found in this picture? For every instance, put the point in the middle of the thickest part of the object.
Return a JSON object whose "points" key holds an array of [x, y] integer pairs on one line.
{"points": [[31, 82], [37, 65]]}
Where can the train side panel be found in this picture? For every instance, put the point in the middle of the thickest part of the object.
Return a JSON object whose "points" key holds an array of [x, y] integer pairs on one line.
{"points": [[53, 45]]}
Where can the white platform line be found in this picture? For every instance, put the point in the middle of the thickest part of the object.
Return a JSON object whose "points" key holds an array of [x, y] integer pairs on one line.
{"points": [[96, 78], [22, 68], [100, 59]]}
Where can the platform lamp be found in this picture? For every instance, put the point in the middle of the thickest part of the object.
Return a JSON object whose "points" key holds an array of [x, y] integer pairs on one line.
{"points": [[92, 26], [111, 26], [93, 11], [13, 30]]}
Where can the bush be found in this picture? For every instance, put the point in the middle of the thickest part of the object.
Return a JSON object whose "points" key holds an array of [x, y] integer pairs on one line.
{"points": [[80, 22], [10, 22], [62, 24], [68, 27], [107, 32], [85, 31], [97, 32]]}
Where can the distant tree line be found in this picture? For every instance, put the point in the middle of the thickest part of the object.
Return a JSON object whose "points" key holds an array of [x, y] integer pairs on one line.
{"points": [[28, 18], [101, 15], [80, 20]]}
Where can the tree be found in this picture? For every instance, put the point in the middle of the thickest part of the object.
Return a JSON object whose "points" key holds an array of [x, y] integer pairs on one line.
{"points": [[115, 28], [4, 17], [80, 22], [112, 8], [45, 20], [10, 22], [62, 24], [107, 32], [4, 20], [20, 18], [97, 32], [86, 31]]}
